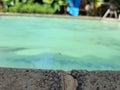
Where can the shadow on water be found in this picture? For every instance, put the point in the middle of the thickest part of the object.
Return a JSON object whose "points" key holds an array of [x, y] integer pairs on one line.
{"points": [[57, 61]]}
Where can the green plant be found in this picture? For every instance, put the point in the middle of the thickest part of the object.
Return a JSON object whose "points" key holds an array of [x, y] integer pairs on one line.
{"points": [[48, 1], [7, 3], [55, 4], [15, 8], [29, 6]]}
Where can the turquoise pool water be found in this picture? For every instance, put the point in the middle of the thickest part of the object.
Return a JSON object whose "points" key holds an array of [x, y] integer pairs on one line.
{"points": [[59, 43]]}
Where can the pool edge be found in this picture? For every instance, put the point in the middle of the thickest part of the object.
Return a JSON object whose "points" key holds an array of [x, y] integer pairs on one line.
{"points": [[59, 16], [28, 79]]}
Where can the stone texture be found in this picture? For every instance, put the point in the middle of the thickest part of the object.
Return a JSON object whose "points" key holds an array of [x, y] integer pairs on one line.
{"points": [[97, 80], [26, 79], [18, 79], [70, 83]]}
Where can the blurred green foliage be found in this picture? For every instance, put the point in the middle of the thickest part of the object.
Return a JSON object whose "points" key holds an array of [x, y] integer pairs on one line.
{"points": [[46, 6], [30, 6]]}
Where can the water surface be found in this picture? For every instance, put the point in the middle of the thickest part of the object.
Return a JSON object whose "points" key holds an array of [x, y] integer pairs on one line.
{"points": [[59, 43]]}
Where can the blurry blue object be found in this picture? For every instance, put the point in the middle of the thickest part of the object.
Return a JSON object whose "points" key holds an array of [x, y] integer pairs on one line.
{"points": [[73, 8]]}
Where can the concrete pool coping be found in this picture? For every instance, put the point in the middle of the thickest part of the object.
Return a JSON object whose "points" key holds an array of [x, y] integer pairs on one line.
{"points": [[60, 16], [28, 79]]}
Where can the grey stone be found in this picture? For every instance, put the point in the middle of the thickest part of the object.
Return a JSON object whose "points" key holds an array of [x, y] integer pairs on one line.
{"points": [[27, 79], [23, 79], [70, 83], [97, 80]]}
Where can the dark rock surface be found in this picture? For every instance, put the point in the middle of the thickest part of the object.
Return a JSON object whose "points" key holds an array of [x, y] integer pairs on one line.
{"points": [[97, 80], [17, 79], [26, 79]]}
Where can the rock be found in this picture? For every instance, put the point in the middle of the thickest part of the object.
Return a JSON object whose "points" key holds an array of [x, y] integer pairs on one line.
{"points": [[70, 83]]}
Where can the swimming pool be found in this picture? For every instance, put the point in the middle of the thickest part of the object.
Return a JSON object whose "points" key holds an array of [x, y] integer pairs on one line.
{"points": [[59, 43]]}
